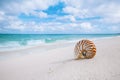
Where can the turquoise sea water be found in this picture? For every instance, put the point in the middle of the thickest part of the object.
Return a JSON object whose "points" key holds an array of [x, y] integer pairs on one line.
{"points": [[19, 40]]}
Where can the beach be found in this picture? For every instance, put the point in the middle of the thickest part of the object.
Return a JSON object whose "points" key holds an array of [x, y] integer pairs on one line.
{"points": [[57, 62]]}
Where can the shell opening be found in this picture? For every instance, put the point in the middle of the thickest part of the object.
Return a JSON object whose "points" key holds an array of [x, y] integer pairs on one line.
{"points": [[84, 52]]}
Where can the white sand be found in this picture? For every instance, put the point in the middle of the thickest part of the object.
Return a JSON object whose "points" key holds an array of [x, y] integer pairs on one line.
{"points": [[59, 64]]}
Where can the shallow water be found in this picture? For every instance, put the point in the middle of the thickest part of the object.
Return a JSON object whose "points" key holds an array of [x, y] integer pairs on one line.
{"points": [[14, 41]]}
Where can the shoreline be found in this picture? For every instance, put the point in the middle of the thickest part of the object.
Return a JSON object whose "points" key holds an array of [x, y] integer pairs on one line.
{"points": [[63, 42], [42, 48]]}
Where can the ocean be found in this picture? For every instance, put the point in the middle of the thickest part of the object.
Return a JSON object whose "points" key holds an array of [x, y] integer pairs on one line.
{"points": [[13, 41]]}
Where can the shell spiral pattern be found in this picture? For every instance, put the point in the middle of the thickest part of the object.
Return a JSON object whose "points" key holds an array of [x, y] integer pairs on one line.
{"points": [[85, 49]]}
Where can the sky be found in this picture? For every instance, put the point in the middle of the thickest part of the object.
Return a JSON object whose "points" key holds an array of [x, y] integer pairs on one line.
{"points": [[59, 16]]}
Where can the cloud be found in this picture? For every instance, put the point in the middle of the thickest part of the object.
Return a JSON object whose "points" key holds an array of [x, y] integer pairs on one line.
{"points": [[72, 3], [86, 25], [40, 14], [75, 16], [76, 12], [16, 25], [71, 10], [26, 6], [11, 22], [110, 12], [2, 15]]}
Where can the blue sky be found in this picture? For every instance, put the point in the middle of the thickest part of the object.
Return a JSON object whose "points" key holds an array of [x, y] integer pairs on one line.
{"points": [[60, 16]]}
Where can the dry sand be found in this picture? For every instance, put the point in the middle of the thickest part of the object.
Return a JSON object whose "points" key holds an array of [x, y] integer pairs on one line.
{"points": [[57, 63]]}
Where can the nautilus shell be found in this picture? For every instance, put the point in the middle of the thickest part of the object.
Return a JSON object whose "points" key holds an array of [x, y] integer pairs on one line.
{"points": [[85, 49]]}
